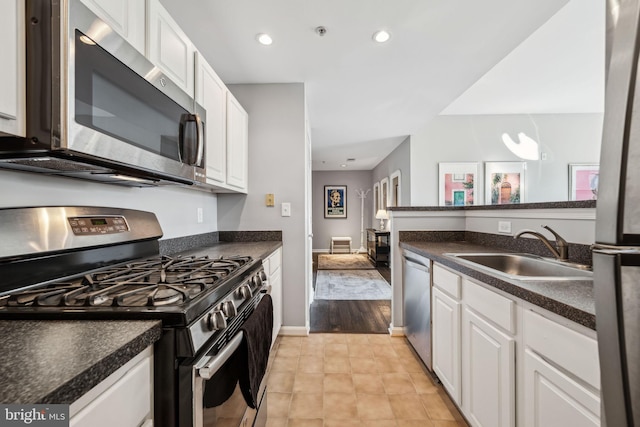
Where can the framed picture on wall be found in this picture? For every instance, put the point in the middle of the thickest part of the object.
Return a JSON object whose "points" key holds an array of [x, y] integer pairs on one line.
{"points": [[335, 201], [457, 184], [583, 181], [504, 182]]}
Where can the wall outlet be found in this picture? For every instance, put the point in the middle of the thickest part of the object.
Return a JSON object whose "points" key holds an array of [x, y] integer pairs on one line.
{"points": [[270, 200], [504, 226], [286, 209], [200, 214]]}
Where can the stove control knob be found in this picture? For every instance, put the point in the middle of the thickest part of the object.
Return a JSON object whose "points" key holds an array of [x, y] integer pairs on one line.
{"points": [[263, 275], [245, 292], [229, 309], [256, 281], [216, 320]]}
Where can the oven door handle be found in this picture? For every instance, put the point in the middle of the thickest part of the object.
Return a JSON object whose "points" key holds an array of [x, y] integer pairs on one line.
{"points": [[215, 363]]}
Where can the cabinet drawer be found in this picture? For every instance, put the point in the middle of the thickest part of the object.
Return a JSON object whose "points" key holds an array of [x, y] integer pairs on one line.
{"points": [[491, 305], [552, 340], [446, 281]]}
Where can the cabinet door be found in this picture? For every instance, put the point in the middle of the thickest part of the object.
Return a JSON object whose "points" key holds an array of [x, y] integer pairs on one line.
{"points": [[553, 399], [13, 68], [237, 144], [126, 403], [169, 48], [446, 341], [272, 266], [211, 94], [488, 373], [125, 17]]}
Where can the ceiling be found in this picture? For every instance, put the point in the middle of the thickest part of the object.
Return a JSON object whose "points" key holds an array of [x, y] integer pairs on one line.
{"points": [[363, 98]]}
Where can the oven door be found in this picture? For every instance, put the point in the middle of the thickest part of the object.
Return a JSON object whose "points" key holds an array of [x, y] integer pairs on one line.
{"points": [[218, 401]]}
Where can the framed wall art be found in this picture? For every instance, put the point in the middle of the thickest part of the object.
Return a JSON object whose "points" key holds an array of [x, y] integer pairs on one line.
{"points": [[335, 201], [504, 182], [583, 181], [457, 184]]}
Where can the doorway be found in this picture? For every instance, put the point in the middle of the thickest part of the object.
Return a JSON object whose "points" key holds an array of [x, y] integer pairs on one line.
{"points": [[350, 316]]}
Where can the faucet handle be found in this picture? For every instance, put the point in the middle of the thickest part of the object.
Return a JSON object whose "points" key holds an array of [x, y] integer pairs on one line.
{"points": [[559, 239], [563, 246]]}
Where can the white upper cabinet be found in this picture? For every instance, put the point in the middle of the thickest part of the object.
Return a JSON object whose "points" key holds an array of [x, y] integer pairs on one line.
{"points": [[12, 84], [237, 144], [169, 48], [211, 93], [125, 17]]}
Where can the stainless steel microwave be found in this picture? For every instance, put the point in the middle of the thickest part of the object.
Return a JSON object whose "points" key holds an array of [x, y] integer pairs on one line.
{"points": [[98, 109]]}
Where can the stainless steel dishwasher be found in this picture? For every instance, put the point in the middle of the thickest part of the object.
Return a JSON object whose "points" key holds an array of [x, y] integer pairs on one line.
{"points": [[416, 280]]}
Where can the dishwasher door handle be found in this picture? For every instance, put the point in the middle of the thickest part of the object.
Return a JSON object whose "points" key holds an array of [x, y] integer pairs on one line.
{"points": [[416, 264]]}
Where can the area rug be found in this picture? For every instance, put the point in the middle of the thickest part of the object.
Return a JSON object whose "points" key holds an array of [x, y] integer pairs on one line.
{"points": [[351, 285], [344, 262]]}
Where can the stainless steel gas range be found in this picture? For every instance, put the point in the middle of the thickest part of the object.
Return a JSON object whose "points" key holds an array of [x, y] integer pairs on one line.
{"points": [[104, 263]]}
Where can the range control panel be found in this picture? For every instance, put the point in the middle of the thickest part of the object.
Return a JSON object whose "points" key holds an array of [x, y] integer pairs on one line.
{"points": [[93, 225]]}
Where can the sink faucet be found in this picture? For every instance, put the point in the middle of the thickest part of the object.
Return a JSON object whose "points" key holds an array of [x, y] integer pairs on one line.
{"points": [[560, 251]]}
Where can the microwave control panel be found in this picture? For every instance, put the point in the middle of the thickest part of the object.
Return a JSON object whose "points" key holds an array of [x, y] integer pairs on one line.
{"points": [[94, 225]]}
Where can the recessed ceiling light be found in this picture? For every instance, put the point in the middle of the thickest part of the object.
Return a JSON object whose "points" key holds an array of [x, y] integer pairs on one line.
{"points": [[343, 165], [264, 39], [381, 36]]}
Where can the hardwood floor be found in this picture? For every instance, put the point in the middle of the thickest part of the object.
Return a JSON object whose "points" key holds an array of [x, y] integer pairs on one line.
{"points": [[362, 316]]}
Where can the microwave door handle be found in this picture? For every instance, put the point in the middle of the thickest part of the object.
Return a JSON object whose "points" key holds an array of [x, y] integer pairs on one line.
{"points": [[188, 149], [200, 141]]}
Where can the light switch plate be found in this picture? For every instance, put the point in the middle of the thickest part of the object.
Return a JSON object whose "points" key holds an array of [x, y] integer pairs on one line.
{"points": [[286, 209], [504, 226]]}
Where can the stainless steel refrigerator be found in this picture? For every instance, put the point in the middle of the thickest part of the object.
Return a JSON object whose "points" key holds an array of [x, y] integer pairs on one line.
{"points": [[616, 255]]}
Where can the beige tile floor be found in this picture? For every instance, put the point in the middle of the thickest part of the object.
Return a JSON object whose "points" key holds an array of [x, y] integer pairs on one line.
{"points": [[343, 380]]}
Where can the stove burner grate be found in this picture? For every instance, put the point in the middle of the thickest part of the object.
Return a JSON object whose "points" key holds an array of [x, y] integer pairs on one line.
{"points": [[161, 281]]}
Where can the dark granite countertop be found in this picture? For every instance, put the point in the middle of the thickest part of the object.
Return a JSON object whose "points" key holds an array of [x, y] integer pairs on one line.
{"points": [[573, 299], [254, 249], [58, 361]]}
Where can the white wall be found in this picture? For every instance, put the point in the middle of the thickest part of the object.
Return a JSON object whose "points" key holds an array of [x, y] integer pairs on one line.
{"points": [[565, 138], [175, 207], [324, 228], [276, 165], [397, 160]]}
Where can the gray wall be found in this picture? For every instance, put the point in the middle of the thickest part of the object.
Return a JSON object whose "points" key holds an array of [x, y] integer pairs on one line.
{"points": [[324, 228], [565, 138], [398, 159], [175, 207], [276, 165]]}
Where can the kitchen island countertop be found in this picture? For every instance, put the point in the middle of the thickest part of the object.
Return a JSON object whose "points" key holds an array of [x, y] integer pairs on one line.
{"points": [[58, 361], [572, 299]]}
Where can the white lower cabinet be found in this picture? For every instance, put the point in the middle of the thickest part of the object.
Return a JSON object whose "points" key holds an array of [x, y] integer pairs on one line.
{"points": [[554, 399], [488, 373], [505, 362], [123, 399], [446, 342], [561, 375], [272, 266]]}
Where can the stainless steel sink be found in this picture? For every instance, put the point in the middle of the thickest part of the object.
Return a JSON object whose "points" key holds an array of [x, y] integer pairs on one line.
{"points": [[524, 266]]}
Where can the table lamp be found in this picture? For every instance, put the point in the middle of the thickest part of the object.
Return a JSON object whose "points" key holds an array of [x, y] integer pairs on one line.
{"points": [[382, 215]]}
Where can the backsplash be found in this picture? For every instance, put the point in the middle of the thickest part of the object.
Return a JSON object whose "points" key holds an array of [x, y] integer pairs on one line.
{"points": [[578, 253]]}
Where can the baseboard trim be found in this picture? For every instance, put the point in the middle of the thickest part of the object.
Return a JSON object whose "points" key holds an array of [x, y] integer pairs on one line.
{"points": [[396, 331], [294, 331]]}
